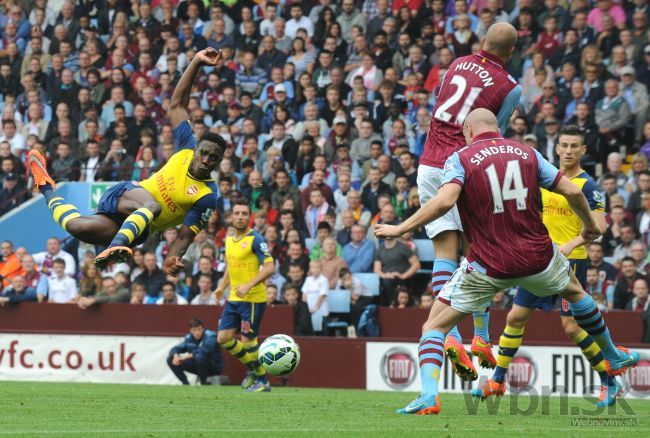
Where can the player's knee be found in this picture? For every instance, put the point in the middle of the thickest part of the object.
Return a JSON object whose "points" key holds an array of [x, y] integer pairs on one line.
{"points": [[223, 337], [570, 327], [516, 320], [154, 208]]}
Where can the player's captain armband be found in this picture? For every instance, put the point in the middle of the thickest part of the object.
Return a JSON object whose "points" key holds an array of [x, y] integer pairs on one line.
{"points": [[184, 137]]}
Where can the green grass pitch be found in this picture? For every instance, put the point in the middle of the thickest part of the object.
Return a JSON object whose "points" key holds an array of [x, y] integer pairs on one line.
{"points": [[69, 409]]}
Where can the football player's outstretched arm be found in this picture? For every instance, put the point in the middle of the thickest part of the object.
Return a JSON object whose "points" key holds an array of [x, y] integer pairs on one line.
{"points": [[181, 97], [432, 210]]}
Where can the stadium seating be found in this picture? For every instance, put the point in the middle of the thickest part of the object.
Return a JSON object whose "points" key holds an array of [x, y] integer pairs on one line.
{"points": [[370, 280], [426, 255], [338, 301]]}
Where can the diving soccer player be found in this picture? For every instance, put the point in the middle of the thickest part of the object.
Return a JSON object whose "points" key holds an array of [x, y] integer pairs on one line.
{"points": [[475, 81], [182, 192], [248, 264], [494, 182], [564, 228]]}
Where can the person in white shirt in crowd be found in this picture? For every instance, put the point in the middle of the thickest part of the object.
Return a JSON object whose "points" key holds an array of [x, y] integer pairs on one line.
{"points": [[205, 296], [90, 164], [46, 258], [10, 134], [314, 293], [60, 287], [169, 295], [298, 21]]}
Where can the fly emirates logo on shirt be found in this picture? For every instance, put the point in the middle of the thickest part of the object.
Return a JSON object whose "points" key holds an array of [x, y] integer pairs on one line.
{"points": [[164, 188], [487, 151]]}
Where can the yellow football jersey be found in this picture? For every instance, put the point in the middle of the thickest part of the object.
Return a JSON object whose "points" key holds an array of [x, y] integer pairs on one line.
{"points": [[183, 198], [561, 221], [244, 257]]}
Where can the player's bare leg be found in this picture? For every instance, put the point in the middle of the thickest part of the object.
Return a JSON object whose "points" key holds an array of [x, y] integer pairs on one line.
{"points": [[140, 209], [589, 318], [442, 318], [610, 388]]}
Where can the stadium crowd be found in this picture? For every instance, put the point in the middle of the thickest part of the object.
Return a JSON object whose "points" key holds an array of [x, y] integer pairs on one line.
{"points": [[326, 106]]}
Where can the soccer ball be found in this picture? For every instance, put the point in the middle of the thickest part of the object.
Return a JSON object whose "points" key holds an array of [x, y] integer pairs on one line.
{"points": [[279, 355]]}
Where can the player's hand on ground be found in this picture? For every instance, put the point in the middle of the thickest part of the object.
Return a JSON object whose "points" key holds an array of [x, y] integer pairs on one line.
{"points": [[242, 290], [173, 266], [387, 231], [209, 56]]}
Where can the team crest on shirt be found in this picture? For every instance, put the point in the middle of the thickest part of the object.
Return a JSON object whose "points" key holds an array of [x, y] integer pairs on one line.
{"points": [[244, 245], [192, 190]]}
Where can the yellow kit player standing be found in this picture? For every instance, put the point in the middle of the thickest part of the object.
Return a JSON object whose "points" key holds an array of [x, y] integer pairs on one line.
{"points": [[248, 264]]}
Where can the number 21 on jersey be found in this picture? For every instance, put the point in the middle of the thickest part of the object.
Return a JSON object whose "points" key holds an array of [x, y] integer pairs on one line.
{"points": [[513, 187], [444, 111]]}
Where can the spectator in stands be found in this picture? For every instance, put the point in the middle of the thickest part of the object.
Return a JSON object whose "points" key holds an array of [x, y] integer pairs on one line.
{"points": [[12, 193], [640, 302], [623, 291], [612, 114], [324, 231], [610, 188], [296, 274], [314, 293], [90, 282], [198, 354], [170, 295], [152, 278], [359, 253], [117, 165], [625, 240], [403, 298], [636, 96], [295, 255], [643, 217], [60, 287], [33, 277], [360, 295], [395, 263], [639, 253], [331, 261], [302, 316], [46, 258], [90, 164], [205, 295], [65, 167], [595, 253], [110, 292], [372, 189], [316, 210], [18, 292], [138, 293], [205, 268]]}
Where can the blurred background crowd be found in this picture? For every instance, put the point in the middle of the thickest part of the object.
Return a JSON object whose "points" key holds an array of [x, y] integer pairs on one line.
{"points": [[326, 106]]}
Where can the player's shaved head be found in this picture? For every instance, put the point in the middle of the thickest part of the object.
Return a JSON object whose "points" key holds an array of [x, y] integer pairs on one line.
{"points": [[500, 40], [479, 121]]}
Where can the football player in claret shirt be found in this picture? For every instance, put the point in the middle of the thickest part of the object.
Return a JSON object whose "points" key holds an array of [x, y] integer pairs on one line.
{"points": [[475, 81], [181, 193], [564, 228], [495, 183], [248, 264]]}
